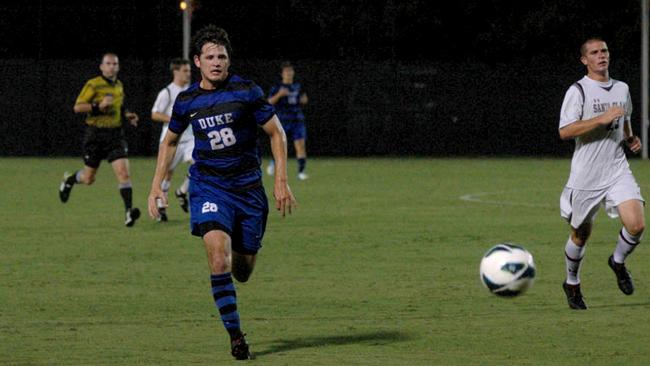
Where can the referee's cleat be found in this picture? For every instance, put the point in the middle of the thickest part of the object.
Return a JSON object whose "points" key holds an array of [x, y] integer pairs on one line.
{"points": [[65, 188], [239, 348], [182, 200], [574, 296], [623, 278], [131, 215]]}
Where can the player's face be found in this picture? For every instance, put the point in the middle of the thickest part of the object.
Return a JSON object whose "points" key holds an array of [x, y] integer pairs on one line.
{"points": [[110, 66], [596, 57], [288, 74], [183, 75], [213, 62]]}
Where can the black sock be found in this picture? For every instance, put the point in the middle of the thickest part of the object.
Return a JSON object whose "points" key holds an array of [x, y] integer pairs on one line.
{"points": [[302, 162], [127, 196]]}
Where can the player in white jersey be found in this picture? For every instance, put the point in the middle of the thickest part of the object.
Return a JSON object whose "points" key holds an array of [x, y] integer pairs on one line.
{"points": [[596, 113], [162, 112]]}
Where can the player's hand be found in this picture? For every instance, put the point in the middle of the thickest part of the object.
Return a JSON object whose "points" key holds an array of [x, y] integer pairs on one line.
{"points": [[132, 118], [285, 202], [612, 114], [106, 103], [155, 196], [633, 143]]}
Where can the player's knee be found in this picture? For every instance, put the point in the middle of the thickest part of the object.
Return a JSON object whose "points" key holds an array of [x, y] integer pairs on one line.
{"points": [[636, 228], [219, 264], [579, 236]]}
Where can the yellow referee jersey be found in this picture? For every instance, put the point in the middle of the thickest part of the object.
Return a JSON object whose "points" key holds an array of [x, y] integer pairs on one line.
{"points": [[93, 92]]}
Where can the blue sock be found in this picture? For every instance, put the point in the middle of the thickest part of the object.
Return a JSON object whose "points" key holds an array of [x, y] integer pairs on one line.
{"points": [[225, 297], [302, 162]]}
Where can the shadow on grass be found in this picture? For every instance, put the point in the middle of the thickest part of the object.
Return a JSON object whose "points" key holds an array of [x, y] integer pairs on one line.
{"points": [[370, 338]]}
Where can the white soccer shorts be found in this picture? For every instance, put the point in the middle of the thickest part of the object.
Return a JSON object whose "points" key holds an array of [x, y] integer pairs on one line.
{"points": [[183, 153], [579, 206]]}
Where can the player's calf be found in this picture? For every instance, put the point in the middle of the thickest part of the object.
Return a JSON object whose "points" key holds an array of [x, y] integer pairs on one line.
{"points": [[241, 267], [225, 299]]}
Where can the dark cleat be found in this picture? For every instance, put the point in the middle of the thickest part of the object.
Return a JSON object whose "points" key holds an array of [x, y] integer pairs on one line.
{"points": [[574, 296], [239, 348], [163, 215], [131, 215], [623, 278], [182, 199], [65, 188]]}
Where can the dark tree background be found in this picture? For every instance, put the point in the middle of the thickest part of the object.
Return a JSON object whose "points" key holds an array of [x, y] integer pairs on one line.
{"points": [[478, 66]]}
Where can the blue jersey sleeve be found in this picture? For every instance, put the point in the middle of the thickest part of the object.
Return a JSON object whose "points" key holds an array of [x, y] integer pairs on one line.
{"points": [[178, 121], [274, 89], [262, 109]]}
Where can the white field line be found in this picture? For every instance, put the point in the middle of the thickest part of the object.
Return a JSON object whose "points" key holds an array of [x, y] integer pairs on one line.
{"points": [[478, 198]]}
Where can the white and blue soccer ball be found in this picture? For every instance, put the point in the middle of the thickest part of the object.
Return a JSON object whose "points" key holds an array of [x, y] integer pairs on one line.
{"points": [[507, 270]]}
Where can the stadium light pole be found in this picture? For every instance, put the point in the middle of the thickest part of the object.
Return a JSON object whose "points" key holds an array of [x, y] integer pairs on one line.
{"points": [[186, 7], [645, 103]]}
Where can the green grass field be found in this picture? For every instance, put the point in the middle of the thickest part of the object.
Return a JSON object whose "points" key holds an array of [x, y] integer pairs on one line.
{"points": [[378, 266]]}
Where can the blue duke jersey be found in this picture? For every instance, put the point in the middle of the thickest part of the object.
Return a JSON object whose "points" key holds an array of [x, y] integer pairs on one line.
{"points": [[288, 107], [225, 123]]}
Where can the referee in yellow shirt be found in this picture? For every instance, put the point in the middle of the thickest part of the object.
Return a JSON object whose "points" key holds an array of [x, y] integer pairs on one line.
{"points": [[101, 99]]}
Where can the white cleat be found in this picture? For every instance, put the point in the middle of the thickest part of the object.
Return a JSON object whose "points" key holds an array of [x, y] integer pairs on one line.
{"points": [[303, 176]]}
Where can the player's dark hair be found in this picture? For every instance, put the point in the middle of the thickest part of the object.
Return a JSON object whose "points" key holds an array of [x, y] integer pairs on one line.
{"points": [[583, 47], [285, 65], [176, 63], [210, 34]]}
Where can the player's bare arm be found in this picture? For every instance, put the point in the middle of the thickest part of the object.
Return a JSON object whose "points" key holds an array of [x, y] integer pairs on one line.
{"points": [[103, 106], [282, 92], [304, 99], [579, 128], [160, 117], [632, 142], [284, 199], [166, 153], [131, 117]]}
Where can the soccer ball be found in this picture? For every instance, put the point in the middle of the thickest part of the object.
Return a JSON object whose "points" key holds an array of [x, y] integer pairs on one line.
{"points": [[507, 270]]}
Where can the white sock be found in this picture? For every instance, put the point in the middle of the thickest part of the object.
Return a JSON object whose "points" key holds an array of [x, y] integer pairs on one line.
{"points": [[164, 185], [185, 186], [574, 255], [625, 245]]}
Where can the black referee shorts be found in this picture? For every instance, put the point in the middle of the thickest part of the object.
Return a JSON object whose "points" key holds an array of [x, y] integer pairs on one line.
{"points": [[103, 143]]}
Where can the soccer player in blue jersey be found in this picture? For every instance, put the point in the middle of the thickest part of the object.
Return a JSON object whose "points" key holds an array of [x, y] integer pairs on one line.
{"points": [[228, 206], [288, 97]]}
